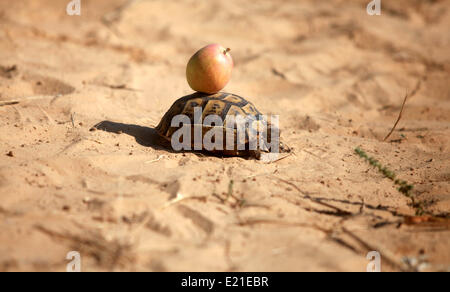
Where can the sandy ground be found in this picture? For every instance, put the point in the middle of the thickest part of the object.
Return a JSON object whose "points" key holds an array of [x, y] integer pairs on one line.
{"points": [[336, 76]]}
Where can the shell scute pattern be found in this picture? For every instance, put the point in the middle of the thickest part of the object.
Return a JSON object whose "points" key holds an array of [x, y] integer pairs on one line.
{"points": [[220, 104]]}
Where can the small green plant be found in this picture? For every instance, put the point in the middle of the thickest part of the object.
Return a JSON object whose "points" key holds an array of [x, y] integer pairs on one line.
{"points": [[230, 188], [403, 186]]}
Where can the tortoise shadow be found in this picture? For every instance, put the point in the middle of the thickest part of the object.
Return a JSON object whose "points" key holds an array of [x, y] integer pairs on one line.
{"points": [[145, 136], [149, 137]]}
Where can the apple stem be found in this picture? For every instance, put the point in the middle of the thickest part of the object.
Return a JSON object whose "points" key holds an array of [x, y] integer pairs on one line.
{"points": [[226, 51]]}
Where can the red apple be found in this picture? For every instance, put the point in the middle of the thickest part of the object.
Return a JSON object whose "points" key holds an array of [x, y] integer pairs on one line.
{"points": [[209, 70]]}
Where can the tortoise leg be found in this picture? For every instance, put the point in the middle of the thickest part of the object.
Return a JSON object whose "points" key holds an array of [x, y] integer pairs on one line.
{"points": [[256, 154]]}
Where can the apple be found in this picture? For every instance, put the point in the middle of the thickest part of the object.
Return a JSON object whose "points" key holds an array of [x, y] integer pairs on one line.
{"points": [[209, 69]]}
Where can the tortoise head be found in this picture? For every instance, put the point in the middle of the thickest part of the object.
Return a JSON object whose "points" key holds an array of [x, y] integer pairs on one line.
{"points": [[284, 148]]}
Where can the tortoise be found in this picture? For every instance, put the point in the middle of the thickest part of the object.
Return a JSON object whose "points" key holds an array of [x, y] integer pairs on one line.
{"points": [[222, 105]]}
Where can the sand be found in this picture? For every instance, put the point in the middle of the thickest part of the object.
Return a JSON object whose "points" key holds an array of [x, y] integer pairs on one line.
{"points": [[337, 78]]}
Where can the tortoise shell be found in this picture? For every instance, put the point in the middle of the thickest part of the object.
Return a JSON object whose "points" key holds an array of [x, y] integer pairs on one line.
{"points": [[220, 104]]}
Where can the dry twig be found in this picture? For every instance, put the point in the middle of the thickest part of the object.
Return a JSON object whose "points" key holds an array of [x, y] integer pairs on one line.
{"points": [[8, 102], [398, 119], [416, 89]]}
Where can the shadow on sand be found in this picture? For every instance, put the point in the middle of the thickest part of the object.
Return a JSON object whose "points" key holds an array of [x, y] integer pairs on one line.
{"points": [[148, 137], [145, 136]]}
